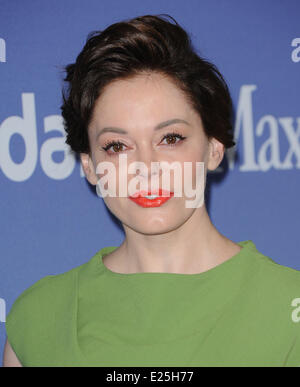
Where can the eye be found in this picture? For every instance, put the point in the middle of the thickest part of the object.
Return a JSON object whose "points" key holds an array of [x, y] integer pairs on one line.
{"points": [[116, 146], [171, 138]]}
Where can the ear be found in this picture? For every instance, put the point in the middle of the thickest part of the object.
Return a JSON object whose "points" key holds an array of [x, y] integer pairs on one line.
{"points": [[88, 168], [215, 154]]}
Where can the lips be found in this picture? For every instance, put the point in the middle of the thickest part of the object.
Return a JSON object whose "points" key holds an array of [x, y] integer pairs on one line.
{"points": [[140, 199]]}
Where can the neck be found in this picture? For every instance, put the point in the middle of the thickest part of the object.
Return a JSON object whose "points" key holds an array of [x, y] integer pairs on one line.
{"points": [[194, 247]]}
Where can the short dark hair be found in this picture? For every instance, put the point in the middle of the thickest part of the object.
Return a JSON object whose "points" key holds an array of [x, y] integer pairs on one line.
{"points": [[149, 43]]}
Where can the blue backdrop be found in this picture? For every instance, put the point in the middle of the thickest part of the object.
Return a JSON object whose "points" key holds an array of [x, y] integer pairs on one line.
{"points": [[51, 221]]}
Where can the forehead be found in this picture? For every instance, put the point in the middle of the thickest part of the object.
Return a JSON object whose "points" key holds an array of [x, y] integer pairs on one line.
{"points": [[145, 96]]}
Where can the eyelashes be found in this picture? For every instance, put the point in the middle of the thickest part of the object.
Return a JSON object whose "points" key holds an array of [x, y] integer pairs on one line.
{"points": [[119, 144]]}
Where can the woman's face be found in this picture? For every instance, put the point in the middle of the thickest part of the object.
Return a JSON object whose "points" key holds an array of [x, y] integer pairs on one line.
{"points": [[137, 106]]}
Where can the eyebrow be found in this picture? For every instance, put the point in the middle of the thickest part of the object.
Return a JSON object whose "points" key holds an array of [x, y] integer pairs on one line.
{"points": [[157, 127]]}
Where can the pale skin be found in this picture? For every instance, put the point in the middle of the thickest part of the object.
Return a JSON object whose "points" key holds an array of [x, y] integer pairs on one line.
{"points": [[9, 357], [170, 238]]}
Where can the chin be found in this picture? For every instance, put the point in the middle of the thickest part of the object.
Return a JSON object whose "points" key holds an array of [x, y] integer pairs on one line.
{"points": [[150, 221], [154, 225]]}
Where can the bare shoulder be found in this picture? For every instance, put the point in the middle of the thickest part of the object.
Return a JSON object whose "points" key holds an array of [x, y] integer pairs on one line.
{"points": [[9, 357]]}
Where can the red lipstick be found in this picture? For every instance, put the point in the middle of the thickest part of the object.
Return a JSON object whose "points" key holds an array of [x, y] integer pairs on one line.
{"points": [[140, 199]]}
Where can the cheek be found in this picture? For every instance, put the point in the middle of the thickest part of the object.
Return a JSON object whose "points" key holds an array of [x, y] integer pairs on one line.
{"points": [[193, 157], [194, 173], [104, 166]]}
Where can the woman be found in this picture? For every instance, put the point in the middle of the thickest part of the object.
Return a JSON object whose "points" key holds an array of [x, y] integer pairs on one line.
{"points": [[176, 292]]}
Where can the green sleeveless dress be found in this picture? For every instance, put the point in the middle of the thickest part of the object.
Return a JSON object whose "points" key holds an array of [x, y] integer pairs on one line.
{"points": [[242, 312]]}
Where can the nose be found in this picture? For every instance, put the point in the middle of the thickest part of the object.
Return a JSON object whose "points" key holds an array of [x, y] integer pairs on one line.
{"points": [[148, 162]]}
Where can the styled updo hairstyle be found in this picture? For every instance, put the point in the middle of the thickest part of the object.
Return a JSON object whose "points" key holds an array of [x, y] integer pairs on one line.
{"points": [[149, 43]]}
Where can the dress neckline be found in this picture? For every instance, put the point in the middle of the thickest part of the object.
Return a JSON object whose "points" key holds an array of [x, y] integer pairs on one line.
{"points": [[236, 258]]}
